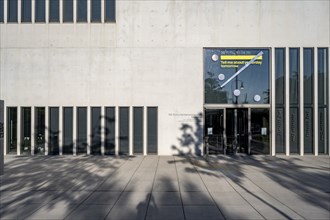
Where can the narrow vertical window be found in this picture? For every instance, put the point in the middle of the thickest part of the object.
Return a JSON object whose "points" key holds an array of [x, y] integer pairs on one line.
{"points": [[110, 10], [96, 130], [279, 100], [25, 130], [81, 130], [26, 11], [152, 130], [123, 130], [53, 143], [110, 130], [12, 10], [138, 130], [1, 10], [96, 11], [40, 10], [68, 11], [12, 129], [323, 90], [54, 11], [308, 99], [81, 10], [39, 130], [294, 99], [67, 130]]}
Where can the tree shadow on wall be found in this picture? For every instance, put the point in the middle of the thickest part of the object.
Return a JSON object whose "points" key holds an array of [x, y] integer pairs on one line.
{"points": [[191, 138]]}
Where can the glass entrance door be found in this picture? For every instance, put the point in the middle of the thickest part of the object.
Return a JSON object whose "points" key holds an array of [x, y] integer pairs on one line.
{"points": [[214, 130], [237, 124]]}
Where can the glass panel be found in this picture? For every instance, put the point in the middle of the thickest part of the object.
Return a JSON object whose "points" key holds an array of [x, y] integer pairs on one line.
{"points": [[81, 10], [279, 75], [251, 86], [1, 10], [110, 10], [123, 130], [294, 130], [25, 130], [110, 130], [68, 11], [12, 129], [280, 130], [12, 10], [308, 130], [294, 75], [152, 129], [260, 131], [39, 130], [96, 130], [40, 10], [96, 11], [214, 127], [54, 131], [54, 11], [26, 11], [138, 130], [67, 130], [81, 130], [323, 90]]}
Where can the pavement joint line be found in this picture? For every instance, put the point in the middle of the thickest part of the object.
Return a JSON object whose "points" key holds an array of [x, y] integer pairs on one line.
{"points": [[153, 183], [177, 176], [208, 190], [258, 187], [121, 193]]}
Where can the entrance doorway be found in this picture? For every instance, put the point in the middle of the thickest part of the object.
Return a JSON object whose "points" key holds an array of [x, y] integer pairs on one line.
{"points": [[237, 130]]}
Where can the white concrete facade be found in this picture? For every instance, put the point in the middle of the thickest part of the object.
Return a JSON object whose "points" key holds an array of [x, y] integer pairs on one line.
{"points": [[151, 56]]}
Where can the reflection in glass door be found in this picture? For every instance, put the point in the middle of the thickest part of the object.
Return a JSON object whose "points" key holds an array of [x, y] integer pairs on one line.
{"points": [[12, 129], [39, 130], [26, 130], [214, 130], [237, 130], [260, 131]]}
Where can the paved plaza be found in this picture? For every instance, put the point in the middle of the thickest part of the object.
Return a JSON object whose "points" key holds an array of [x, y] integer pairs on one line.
{"points": [[165, 187]]}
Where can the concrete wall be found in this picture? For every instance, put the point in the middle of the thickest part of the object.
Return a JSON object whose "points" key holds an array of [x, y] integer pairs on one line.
{"points": [[151, 56]]}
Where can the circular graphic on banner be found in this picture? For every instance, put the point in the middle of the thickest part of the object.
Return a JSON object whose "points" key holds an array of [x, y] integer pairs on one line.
{"points": [[215, 57], [237, 92], [257, 98], [221, 76]]}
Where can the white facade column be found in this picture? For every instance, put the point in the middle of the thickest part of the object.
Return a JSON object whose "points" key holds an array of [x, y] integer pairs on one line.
{"points": [[130, 130], [316, 105], [5, 10], [61, 11], [18, 127], [32, 130], [74, 130], [47, 11], [19, 7], [287, 102], [74, 11], [117, 131], [60, 128], [88, 130], [301, 102], [46, 130], [89, 11], [102, 11], [33, 3], [272, 110], [102, 131], [144, 130]]}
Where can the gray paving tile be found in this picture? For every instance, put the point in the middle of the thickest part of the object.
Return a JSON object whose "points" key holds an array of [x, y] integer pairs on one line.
{"points": [[102, 198], [243, 212], [72, 197], [276, 212], [166, 198], [17, 211], [139, 186], [202, 212], [134, 198], [228, 198], [89, 212], [165, 213], [52, 211], [311, 211], [166, 186], [128, 212], [196, 198]]}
